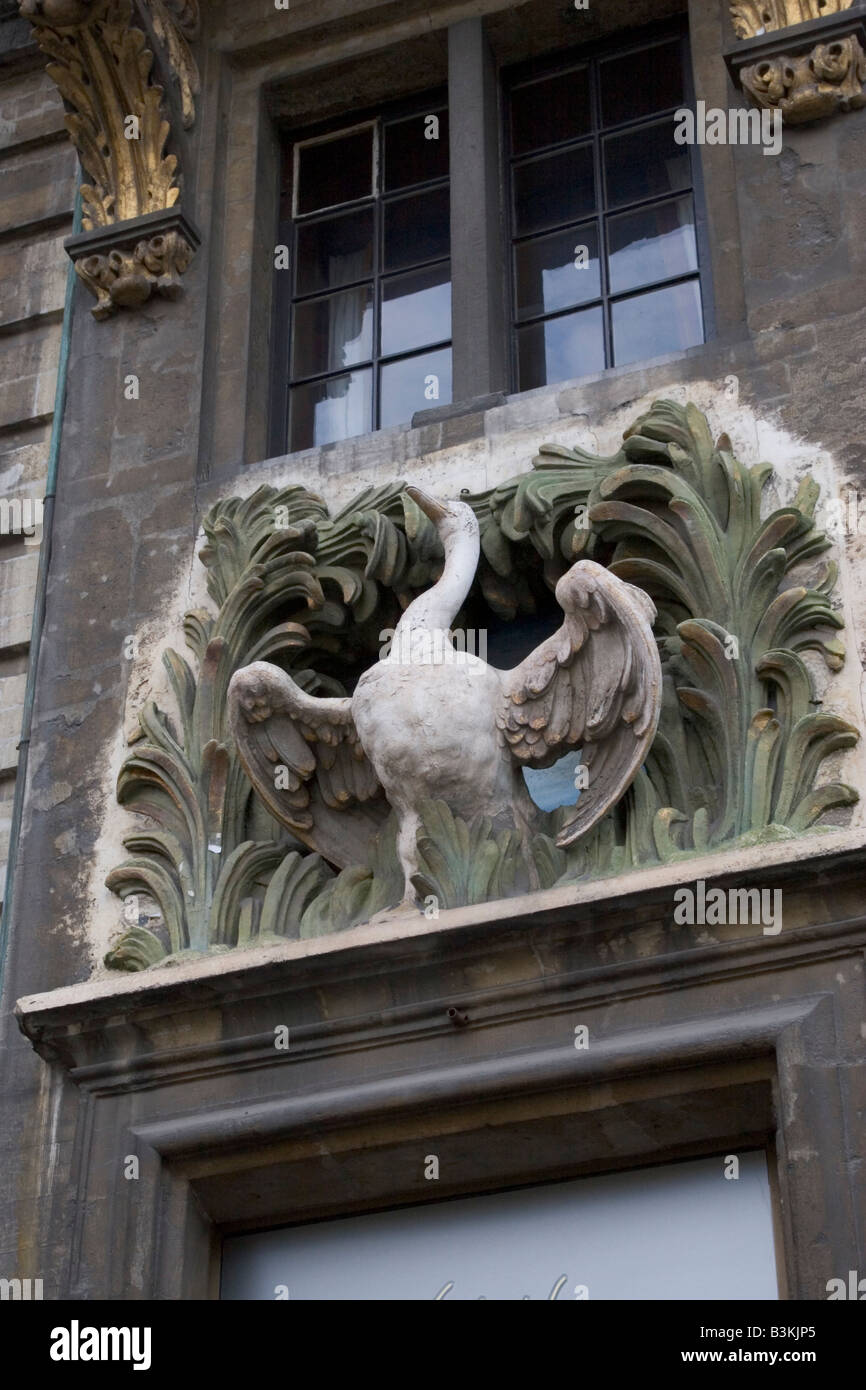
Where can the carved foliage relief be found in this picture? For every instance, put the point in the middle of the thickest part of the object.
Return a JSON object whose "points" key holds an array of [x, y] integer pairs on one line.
{"points": [[101, 56], [814, 74], [736, 759], [753, 17]]}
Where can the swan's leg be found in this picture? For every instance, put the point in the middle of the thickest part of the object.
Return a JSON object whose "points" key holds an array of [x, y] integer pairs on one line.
{"points": [[407, 853], [524, 821]]}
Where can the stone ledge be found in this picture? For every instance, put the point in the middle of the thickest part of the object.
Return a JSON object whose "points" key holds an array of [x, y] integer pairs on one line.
{"points": [[78, 1010], [477, 405], [686, 1044], [543, 406]]}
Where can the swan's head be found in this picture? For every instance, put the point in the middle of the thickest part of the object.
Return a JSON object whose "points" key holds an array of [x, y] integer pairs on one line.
{"points": [[450, 518]]}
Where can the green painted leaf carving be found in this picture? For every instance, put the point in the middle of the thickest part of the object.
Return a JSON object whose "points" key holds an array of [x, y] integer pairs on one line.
{"points": [[461, 864], [358, 893], [136, 950]]}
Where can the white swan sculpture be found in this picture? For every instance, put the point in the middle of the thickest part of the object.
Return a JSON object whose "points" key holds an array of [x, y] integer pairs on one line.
{"points": [[430, 722]]}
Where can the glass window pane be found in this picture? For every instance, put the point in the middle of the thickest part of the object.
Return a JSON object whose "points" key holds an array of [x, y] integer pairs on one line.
{"points": [[645, 163], [337, 170], [416, 150], [554, 272], [659, 86], [676, 1232], [329, 410], [656, 243], [570, 346], [334, 252], [557, 188], [661, 321], [416, 309], [417, 229], [332, 333], [546, 112], [414, 383]]}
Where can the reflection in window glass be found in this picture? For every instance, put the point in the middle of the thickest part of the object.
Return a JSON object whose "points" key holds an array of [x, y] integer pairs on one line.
{"points": [[417, 229], [334, 252], [602, 206], [645, 163], [561, 348], [660, 86], [552, 787], [558, 271], [416, 150], [655, 243], [368, 225], [554, 189], [416, 309], [551, 110], [676, 1231], [332, 409], [336, 170], [414, 383], [650, 325], [333, 333]]}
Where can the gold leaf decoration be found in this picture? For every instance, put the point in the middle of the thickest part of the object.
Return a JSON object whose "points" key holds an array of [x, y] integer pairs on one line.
{"points": [[754, 17]]}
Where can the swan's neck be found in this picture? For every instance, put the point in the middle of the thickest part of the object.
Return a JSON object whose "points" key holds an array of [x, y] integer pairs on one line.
{"points": [[439, 606]]}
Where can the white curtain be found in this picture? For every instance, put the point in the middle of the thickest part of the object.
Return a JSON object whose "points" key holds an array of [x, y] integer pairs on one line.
{"points": [[345, 411]]}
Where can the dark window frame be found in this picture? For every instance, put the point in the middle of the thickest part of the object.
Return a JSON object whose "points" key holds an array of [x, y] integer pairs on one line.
{"points": [[483, 338], [285, 300], [591, 56]]}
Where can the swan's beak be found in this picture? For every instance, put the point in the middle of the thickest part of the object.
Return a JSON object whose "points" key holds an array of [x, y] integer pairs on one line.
{"points": [[430, 507]]}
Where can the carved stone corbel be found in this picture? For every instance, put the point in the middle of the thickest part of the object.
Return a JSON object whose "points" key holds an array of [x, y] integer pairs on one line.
{"points": [[128, 77], [805, 58], [124, 264]]}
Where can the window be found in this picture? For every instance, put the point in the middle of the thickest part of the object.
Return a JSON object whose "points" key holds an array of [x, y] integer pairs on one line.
{"points": [[674, 1231], [604, 246], [366, 219], [578, 240]]}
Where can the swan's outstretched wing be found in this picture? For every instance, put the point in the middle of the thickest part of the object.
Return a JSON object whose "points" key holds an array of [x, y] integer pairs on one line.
{"points": [[596, 683], [305, 760]]}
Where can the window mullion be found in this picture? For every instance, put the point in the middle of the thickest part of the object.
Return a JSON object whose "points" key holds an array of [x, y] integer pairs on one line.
{"points": [[479, 332]]}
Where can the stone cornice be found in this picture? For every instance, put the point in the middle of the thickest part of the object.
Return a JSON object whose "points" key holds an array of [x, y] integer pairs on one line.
{"points": [[585, 928]]}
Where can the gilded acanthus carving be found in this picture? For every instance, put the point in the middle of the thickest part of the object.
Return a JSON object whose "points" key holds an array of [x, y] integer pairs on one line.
{"points": [[736, 758], [753, 17], [120, 120], [804, 87], [175, 22]]}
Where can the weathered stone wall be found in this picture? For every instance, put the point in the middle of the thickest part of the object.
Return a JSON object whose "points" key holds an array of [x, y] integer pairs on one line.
{"points": [[137, 476], [37, 189]]}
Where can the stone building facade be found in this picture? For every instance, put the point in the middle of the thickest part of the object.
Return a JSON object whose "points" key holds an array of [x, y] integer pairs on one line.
{"points": [[157, 939], [38, 203]]}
